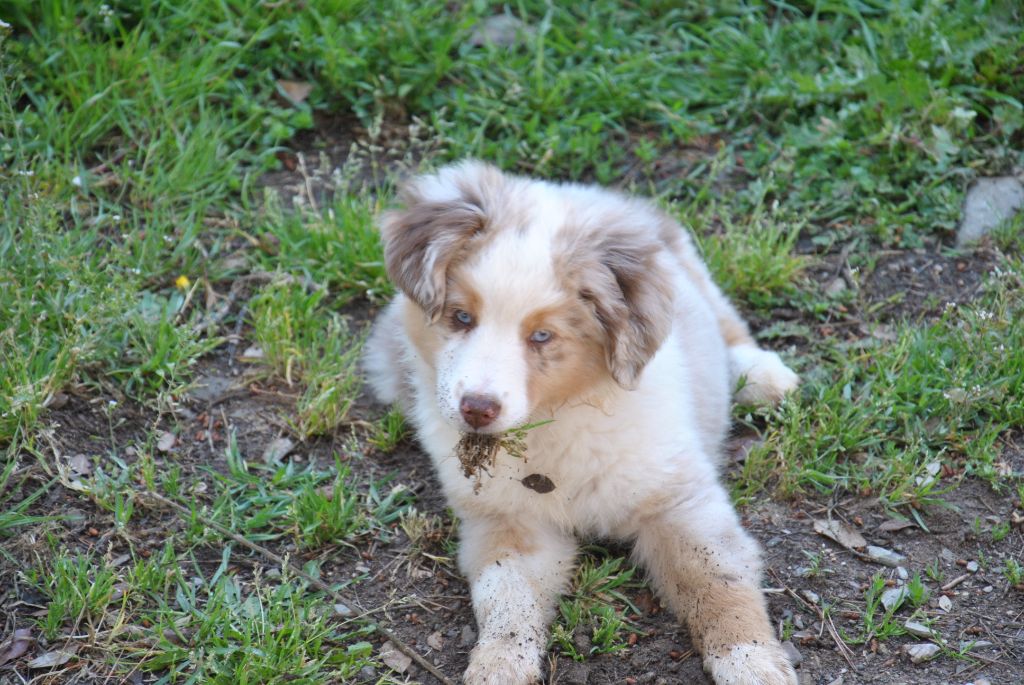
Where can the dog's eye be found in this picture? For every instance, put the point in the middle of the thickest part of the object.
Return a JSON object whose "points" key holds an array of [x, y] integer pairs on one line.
{"points": [[463, 318], [540, 336]]}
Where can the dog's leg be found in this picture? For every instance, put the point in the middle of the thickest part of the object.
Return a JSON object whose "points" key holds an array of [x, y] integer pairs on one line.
{"points": [[516, 573], [706, 567]]}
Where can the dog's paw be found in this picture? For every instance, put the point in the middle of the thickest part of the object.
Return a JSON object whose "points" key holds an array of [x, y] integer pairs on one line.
{"points": [[751, 664], [765, 379], [502, 662]]}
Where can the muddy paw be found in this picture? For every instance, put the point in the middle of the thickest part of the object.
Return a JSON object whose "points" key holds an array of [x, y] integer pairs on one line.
{"points": [[751, 664], [502, 662]]}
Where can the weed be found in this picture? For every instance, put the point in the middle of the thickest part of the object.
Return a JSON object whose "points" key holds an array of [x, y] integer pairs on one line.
{"points": [[79, 589], [917, 591], [1014, 573]]}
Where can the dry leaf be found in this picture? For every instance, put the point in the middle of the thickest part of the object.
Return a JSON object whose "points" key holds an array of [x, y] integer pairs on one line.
{"points": [[80, 465], [16, 646], [840, 532], [435, 641], [893, 525], [296, 91], [393, 658], [54, 658]]}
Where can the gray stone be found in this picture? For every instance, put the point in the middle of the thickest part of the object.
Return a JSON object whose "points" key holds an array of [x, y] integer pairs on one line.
{"points": [[989, 203], [918, 629], [792, 653], [468, 637], [893, 597], [209, 388], [884, 556], [921, 652]]}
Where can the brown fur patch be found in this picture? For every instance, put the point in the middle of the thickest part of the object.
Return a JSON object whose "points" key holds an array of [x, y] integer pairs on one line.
{"points": [[425, 338], [571, 363]]}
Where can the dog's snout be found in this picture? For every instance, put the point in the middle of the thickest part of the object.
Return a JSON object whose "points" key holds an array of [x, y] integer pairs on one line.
{"points": [[479, 410]]}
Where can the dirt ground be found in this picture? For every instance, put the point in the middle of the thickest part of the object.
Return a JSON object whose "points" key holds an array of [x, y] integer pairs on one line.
{"points": [[814, 601]]}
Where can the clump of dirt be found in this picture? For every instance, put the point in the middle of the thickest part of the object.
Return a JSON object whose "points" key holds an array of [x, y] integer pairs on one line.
{"points": [[477, 452]]}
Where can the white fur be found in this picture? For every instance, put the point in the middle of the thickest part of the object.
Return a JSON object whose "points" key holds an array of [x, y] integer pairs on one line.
{"points": [[622, 464]]}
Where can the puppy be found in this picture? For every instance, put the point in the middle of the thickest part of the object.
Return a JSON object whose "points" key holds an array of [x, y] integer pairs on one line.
{"points": [[525, 301]]}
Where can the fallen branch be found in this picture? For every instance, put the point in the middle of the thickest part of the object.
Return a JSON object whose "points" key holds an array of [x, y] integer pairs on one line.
{"points": [[399, 644]]}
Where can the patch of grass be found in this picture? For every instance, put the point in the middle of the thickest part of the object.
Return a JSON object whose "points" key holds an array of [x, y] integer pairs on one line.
{"points": [[389, 431], [79, 589], [880, 418], [590, 615], [13, 513], [1014, 573], [226, 630], [337, 248], [304, 342]]}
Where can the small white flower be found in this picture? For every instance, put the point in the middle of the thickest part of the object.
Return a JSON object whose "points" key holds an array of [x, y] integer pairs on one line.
{"points": [[26, 172], [4, 25], [77, 181]]}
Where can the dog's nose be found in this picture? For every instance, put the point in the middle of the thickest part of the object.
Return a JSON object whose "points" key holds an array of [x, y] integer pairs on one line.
{"points": [[479, 410]]}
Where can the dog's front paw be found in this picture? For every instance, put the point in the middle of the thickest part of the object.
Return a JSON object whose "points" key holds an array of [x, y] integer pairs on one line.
{"points": [[765, 378], [502, 662], [750, 664]]}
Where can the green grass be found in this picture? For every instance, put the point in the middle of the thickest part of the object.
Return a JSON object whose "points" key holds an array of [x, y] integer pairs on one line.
{"points": [[136, 243]]}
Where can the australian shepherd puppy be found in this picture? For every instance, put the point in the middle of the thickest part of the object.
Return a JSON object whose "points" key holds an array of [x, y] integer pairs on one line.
{"points": [[525, 301]]}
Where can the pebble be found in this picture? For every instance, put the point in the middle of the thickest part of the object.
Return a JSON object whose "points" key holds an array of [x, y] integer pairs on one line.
{"points": [[901, 571], [342, 610], [918, 629], [884, 556], [468, 636], [945, 603], [972, 566], [792, 653], [893, 597], [921, 652]]}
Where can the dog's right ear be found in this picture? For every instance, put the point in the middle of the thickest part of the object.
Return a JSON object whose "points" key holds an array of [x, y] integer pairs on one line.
{"points": [[422, 240]]}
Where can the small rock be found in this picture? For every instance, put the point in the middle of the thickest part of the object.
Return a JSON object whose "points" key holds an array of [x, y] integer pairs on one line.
{"points": [[252, 353], [893, 597], [394, 659], [947, 555], [982, 681], [165, 443], [945, 603], [468, 636], [885, 556], [989, 202], [921, 652], [972, 567], [902, 572], [811, 597], [792, 653], [368, 673], [836, 287], [435, 641], [973, 644], [918, 629], [277, 450], [342, 610], [987, 588]]}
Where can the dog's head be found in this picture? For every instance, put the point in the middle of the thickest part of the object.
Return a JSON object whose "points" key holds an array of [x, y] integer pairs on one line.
{"points": [[533, 294]]}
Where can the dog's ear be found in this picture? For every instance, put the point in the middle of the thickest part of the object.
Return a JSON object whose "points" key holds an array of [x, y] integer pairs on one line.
{"points": [[421, 241], [631, 296]]}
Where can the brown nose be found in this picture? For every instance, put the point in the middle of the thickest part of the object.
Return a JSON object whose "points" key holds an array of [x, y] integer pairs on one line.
{"points": [[479, 410]]}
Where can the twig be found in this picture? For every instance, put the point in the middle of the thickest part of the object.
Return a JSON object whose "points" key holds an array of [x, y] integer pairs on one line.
{"points": [[956, 581], [826, 621], [399, 644]]}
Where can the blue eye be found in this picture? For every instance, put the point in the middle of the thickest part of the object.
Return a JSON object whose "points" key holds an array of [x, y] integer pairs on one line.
{"points": [[540, 336], [463, 317]]}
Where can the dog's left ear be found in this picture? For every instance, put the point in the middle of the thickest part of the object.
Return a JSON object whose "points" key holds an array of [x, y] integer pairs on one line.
{"points": [[631, 295]]}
